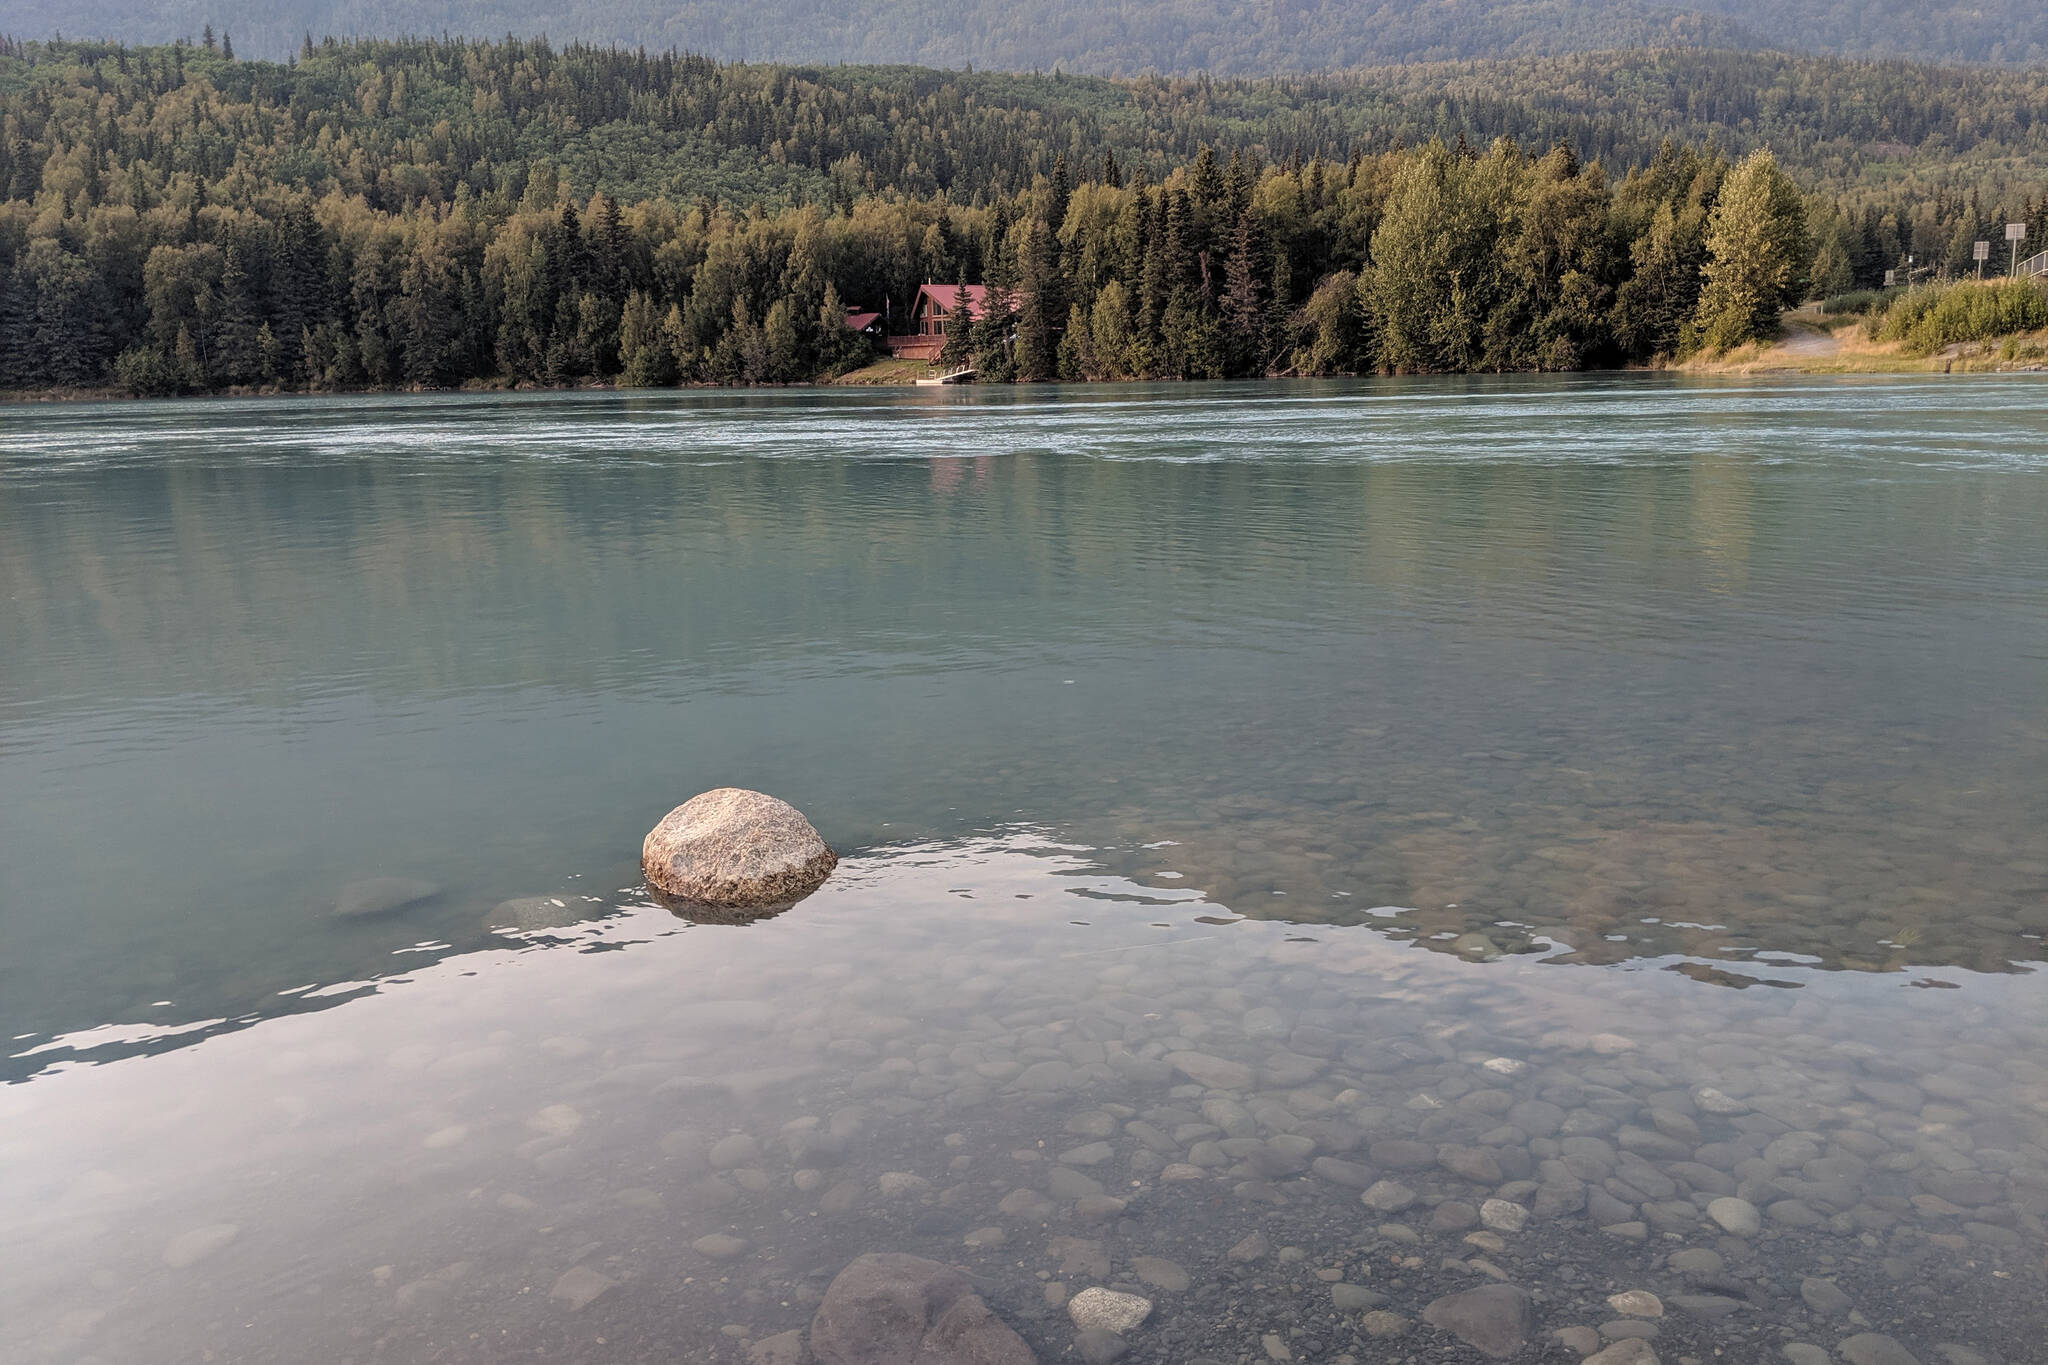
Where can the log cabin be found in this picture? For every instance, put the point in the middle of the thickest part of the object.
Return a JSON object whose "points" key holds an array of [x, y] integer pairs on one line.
{"points": [[929, 314]]}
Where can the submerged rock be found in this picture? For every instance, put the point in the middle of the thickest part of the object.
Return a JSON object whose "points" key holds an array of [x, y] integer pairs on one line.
{"points": [[886, 1308], [1629, 1351], [1099, 1347], [735, 848], [1160, 1273], [1218, 1073], [580, 1286], [1108, 1309], [533, 912], [190, 1248], [1494, 1319], [1874, 1348], [381, 896], [1737, 1217], [720, 1246], [784, 1348]]}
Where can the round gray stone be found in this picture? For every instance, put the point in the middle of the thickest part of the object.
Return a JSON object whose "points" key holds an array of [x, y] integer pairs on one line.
{"points": [[1108, 1310], [735, 848], [1736, 1217]]}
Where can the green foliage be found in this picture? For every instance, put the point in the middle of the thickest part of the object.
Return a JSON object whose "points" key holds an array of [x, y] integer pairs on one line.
{"points": [[1857, 302], [1757, 251], [1439, 274], [431, 214], [1928, 319]]}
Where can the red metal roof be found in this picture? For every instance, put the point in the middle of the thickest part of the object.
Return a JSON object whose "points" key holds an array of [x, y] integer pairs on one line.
{"points": [[944, 294], [860, 322]]}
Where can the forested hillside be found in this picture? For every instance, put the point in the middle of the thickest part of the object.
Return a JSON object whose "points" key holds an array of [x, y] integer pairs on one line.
{"points": [[173, 219], [1128, 36], [394, 120]]}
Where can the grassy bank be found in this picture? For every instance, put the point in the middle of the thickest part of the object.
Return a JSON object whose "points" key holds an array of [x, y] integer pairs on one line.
{"points": [[1963, 327], [886, 369]]}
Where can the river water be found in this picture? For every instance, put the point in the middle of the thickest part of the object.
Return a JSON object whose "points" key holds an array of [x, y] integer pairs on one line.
{"points": [[1304, 810]]}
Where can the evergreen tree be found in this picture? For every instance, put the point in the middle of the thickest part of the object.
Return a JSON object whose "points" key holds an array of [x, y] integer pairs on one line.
{"points": [[429, 325], [839, 348], [993, 327], [68, 348], [645, 358], [1245, 299], [1832, 272], [1041, 305], [1155, 284], [236, 357], [1058, 192], [958, 351], [934, 256]]}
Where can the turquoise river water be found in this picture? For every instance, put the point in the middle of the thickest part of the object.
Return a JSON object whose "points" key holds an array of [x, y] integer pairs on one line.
{"points": [[1460, 831]]}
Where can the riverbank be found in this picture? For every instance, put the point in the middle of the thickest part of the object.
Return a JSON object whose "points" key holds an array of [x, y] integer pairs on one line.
{"points": [[1809, 344], [1813, 343]]}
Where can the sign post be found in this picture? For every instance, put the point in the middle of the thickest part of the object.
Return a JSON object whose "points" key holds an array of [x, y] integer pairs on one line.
{"points": [[2015, 233], [1981, 253]]}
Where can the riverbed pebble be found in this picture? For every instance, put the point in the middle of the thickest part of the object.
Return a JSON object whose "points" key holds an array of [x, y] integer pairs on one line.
{"points": [[1108, 1309], [579, 1286], [1737, 1217]]}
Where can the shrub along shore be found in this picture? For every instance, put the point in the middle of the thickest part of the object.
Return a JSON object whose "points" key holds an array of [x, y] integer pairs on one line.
{"points": [[375, 216]]}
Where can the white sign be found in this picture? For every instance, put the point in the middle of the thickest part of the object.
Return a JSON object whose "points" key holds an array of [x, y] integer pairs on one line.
{"points": [[1982, 252], [2015, 232], [1891, 277]]}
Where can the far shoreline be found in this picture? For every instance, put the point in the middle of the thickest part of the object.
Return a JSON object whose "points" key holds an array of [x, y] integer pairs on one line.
{"points": [[1791, 355]]}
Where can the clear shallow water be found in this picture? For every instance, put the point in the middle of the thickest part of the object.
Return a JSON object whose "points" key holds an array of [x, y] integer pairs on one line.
{"points": [[1156, 721]]}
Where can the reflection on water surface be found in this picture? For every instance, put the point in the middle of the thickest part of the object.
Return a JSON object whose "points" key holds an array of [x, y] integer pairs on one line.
{"points": [[1162, 728]]}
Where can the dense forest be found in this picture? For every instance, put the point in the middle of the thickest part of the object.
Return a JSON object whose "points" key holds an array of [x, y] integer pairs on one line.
{"points": [[174, 219], [1129, 37]]}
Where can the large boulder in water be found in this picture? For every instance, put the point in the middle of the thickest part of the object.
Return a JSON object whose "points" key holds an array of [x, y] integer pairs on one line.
{"points": [[733, 847], [887, 1308]]}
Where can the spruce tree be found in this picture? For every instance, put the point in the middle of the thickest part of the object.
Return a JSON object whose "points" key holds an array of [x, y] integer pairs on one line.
{"points": [[958, 352], [1244, 303], [1040, 305], [428, 323], [234, 348], [1059, 190]]}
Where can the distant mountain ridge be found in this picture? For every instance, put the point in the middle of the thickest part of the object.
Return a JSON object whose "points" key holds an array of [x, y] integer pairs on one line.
{"points": [[1099, 36]]}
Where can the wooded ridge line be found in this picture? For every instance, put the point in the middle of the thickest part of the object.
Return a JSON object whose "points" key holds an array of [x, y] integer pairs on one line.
{"points": [[379, 214]]}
